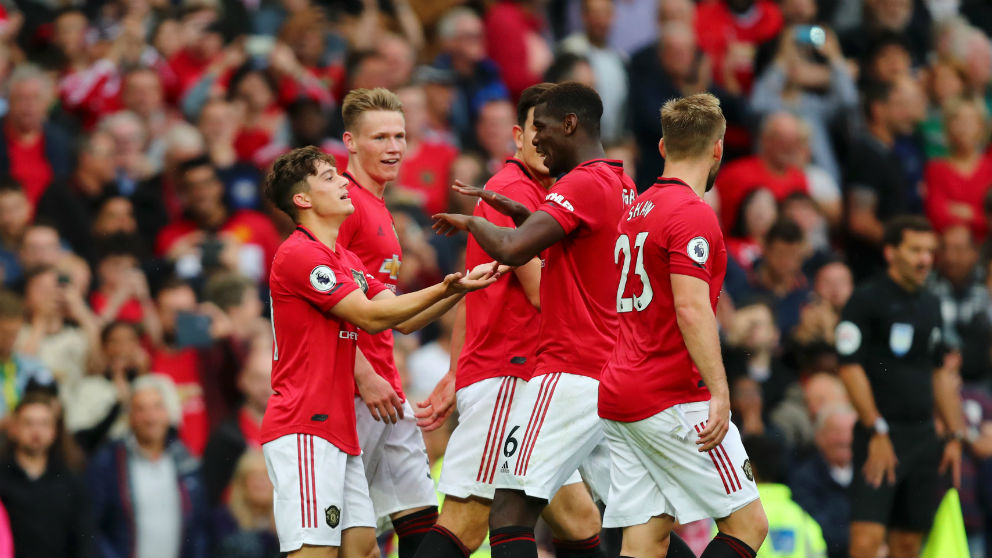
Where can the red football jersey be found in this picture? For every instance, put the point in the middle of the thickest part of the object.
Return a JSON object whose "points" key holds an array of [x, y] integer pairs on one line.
{"points": [[579, 283], [427, 173], [668, 230], [501, 324], [370, 234], [313, 356]]}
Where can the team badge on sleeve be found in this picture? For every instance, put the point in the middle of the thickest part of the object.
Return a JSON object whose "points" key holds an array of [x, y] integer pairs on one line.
{"points": [[848, 337], [322, 278], [698, 250], [359, 278]]}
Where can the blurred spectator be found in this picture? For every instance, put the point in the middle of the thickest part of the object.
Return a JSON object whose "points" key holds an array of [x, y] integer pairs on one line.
{"points": [[51, 301], [818, 93], [47, 503], [571, 67], [40, 247], [752, 350], [20, 373], [777, 166], [71, 204], [747, 407], [219, 125], [632, 27], [426, 169], [439, 87], [608, 65], [957, 283], [778, 275], [820, 484], [32, 150], [903, 17], [796, 416], [301, 60], [240, 432], [246, 526], [514, 41], [834, 284], [730, 31], [122, 292], [131, 161], [803, 210], [758, 212], [204, 43], [235, 298], [263, 122], [89, 85], [791, 531], [956, 186], [669, 68], [399, 54], [211, 236], [97, 410], [147, 494], [144, 95], [463, 51], [888, 58], [494, 133], [114, 216], [15, 218], [875, 181], [943, 81]]}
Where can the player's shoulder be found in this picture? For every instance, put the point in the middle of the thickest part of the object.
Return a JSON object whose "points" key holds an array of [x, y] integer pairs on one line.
{"points": [[516, 182], [299, 248]]}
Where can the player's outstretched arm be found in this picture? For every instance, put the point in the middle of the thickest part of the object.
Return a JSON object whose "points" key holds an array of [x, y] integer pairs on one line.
{"points": [[512, 209], [699, 330], [510, 246], [383, 313]]}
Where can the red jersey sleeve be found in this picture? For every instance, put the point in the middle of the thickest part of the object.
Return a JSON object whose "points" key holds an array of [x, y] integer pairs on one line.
{"points": [[316, 277], [691, 240], [374, 286], [572, 202]]}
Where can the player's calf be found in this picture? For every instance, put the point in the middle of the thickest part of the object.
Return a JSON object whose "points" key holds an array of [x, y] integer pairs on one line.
{"points": [[741, 533], [511, 523], [574, 521], [412, 527]]}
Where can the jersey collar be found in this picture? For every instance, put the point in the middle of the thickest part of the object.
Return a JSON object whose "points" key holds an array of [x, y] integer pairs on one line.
{"points": [[304, 230], [611, 162], [523, 167], [666, 181]]}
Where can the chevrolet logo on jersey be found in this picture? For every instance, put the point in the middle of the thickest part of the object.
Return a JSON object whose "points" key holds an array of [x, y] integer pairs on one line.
{"points": [[391, 266]]}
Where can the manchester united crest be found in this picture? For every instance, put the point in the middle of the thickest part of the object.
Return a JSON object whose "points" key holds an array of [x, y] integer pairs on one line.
{"points": [[333, 516], [747, 470], [359, 278]]}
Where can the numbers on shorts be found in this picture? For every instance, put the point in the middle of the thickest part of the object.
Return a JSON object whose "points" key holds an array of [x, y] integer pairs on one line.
{"points": [[510, 446], [634, 302]]}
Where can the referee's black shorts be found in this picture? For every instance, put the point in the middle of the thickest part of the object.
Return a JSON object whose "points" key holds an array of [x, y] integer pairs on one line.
{"points": [[910, 503]]}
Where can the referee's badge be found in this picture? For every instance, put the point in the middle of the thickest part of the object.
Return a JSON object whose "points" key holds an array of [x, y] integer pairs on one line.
{"points": [[333, 516], [901, 338]]}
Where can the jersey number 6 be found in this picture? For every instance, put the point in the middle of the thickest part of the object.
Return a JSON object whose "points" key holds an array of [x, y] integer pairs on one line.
{"points": [[635, 302]]}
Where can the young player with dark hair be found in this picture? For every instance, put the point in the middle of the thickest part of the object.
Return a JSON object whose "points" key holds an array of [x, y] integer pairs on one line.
{"points": [[320, 297]]}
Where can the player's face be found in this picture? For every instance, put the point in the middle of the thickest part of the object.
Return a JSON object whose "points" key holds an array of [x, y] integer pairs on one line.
{"points": [[528, 152], [547, 140], [913, 258], [328, 195], [380, 144]]}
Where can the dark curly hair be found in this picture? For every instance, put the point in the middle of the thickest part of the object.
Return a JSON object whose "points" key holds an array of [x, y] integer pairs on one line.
{"points": [[289, 176]]}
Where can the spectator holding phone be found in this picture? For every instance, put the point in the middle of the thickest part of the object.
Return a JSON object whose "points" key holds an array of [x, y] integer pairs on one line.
{"points": [[18, 373], [122, 292]]}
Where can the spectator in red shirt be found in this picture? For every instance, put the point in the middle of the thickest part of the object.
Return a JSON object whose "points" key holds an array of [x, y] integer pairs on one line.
{"points": [[263, 122], [122, 290], [956, 185], [426, 169], [204, 44], [777, 167], [494, 134], [514, 41], [89, 87], [758, 212], [729, 31], [32, 150], [301, 59], [210, 235]]}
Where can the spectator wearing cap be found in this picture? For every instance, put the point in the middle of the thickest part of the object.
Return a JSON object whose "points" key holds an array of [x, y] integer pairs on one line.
{"points": [[463, 51], [609, 66], [426, 169], [32, 150], [147, 494], [956, 186], [47, 503], [72, 204], [18, 373], [777, 167], [820, 484]]}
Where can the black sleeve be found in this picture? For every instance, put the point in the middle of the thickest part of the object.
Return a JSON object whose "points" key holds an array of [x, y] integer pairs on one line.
{"points": [[83, 534], [853, 333]]}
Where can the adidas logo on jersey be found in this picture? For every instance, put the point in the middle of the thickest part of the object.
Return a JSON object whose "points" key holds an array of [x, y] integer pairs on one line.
{"points": [[560, 200], [505, 468]]}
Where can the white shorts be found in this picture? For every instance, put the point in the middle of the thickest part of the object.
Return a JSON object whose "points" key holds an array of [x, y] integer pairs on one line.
{"points": [[554, 431], [658, 469], [396, 466], [319, 491], [478, 442]]}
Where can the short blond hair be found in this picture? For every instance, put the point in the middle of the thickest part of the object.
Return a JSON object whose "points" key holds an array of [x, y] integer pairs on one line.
{"points": [[359, 101], [690, 125]]}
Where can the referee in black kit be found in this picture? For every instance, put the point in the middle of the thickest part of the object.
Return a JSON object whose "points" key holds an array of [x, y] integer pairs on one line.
{"points": [[892, 363]]}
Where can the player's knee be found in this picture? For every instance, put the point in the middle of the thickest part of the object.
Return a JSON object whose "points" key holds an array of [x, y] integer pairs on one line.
{"points": [[578, 526], [469, 529], [513, 507]]}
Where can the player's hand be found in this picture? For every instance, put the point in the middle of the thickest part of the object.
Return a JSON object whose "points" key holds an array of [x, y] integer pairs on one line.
{"points": [[449, 224], [717, 424], [499, 202], [881, 463], [439, 404], [952, 461], [380, 397]]}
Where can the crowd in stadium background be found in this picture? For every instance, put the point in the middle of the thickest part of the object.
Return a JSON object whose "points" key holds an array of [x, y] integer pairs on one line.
{"points": [[135, 243]]}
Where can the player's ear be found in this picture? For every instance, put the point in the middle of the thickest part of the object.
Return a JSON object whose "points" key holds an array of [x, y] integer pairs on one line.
{"points": [[661, 147], [302, 200], [349, 142], [570, 124], [718, 150], [518, 137]]}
